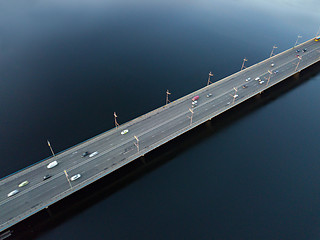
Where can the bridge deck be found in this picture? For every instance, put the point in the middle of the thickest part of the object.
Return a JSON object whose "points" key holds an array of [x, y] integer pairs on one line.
{"points": [[152, 129]]}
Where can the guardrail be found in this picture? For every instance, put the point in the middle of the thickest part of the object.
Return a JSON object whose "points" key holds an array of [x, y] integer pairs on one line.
{"points": [[147, 149]]}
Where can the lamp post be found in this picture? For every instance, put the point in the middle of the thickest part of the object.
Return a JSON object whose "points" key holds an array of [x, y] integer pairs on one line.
{"points": [[244, 60], [235, 95], [210, 75], [299, 36], [298, 63], [65, 172], [274, 47], [137, 144], [50, 148], [191, 116], [115, 120], [270, 73], [167, 97]]}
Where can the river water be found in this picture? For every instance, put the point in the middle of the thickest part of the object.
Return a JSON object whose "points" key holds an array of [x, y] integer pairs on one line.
{"points": [[253, 173]]}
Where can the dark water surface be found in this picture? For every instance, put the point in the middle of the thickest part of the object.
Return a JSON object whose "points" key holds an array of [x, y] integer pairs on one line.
{"points": [[66, 66]]}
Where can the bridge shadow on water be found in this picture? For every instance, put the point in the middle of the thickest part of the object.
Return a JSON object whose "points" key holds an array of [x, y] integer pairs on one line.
{"points": [[73, 205]]}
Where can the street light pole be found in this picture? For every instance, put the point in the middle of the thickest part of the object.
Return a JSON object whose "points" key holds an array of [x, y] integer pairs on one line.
{"points": [[167, 97], [50, 148], [274, 47], [65, 172], [137, 144], [299, 36], [210, 75], [235, 95], [191, 116], [115, 120], [298, 63], [270, 73], [244, 60], [318, 32]]}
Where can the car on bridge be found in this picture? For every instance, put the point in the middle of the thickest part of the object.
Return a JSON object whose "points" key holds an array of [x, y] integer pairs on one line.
{"points": [[46, 177], [75, 177], [317, 39], [14, 192], [93, 154], [194, 103], [24, 183], [124, 132], [85, 154], [52, 164], [195, 98]]}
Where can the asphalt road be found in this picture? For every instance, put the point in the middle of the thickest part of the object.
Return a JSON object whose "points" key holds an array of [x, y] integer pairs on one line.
{"points": [[152, 129]]}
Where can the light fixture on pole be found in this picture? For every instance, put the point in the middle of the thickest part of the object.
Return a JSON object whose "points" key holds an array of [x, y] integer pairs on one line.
{"points": [[191, 116], [115, 120], [51, 148], [270, 73], [235, 95], [65, 172], [244, 60], [137, 144], [274, 47], [298, 63], [299, 36], [167, 97], [209, 81]]}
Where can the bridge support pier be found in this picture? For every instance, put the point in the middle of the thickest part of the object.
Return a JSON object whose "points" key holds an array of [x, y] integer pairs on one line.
{"points": [[143, 159], [49, 211]]}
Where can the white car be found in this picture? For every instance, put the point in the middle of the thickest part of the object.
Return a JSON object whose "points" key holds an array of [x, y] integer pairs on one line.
{"points": [[124, 132], [257, 79], [93, 154], [261, 82], [52, 164], [236, 95], [75, 177], [248, 79], [13, 193]]}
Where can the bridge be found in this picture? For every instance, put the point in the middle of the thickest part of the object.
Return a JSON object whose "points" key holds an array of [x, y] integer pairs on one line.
{"points": [[145, 133]]}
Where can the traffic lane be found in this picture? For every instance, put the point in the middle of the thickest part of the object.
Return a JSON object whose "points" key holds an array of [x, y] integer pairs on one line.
{"points": [[308, 46], [14, 208], [175, 127], [97, 143]]}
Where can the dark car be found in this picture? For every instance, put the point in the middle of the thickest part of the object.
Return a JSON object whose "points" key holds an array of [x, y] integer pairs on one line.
{"points": [[298, 50], [244, 86], [46, 177], [304, 50], [85, 154]]}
